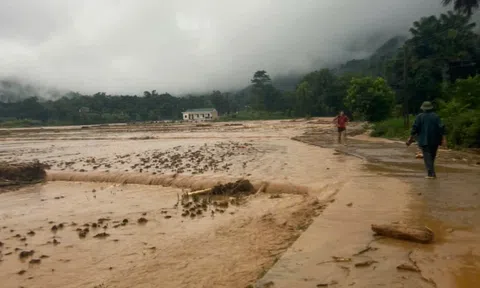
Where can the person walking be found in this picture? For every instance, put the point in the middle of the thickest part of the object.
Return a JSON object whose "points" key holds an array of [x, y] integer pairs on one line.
{"points": [[430, 133], [341, 121]]}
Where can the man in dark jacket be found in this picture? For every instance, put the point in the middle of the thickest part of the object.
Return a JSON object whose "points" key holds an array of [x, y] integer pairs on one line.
{"points": [[430, 133]]}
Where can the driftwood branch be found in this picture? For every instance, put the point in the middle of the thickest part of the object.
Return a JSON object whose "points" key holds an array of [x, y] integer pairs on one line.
{"points": [[403, 232], [200, 192]]}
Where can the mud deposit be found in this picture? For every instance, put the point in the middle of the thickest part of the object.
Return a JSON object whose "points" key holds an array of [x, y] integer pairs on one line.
{"points": [[133, 206], [102, 232], [138, 236]]}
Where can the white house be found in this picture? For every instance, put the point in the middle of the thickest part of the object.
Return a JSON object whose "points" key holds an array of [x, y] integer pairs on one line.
{"points": [[204, 114]]}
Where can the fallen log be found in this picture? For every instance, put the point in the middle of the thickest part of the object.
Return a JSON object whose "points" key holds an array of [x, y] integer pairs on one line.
{"points": [[403, 232]]}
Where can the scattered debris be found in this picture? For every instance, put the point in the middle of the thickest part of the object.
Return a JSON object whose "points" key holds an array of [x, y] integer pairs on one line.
{"points": [[21, 272], [13, 174], [350, 204], [408, 267], [341, 259], [367, 249], [31, 233], [365, 263]]}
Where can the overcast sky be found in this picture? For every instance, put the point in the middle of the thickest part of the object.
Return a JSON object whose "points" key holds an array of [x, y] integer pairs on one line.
{"points": [[179, 46]]}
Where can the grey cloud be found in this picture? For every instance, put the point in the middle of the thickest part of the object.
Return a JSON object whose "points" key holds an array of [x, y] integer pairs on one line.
{"points": [[182, 46]]}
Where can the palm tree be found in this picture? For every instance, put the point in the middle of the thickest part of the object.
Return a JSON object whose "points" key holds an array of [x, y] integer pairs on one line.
{"points": [[464, 6]]}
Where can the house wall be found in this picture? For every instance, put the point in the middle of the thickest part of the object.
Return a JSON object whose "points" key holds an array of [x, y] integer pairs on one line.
{"points": [[214, 114], [195, 116]]}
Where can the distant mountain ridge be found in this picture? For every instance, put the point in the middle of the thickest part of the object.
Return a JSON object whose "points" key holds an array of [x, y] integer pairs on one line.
{"points": [[372, 66], [12, 90]]}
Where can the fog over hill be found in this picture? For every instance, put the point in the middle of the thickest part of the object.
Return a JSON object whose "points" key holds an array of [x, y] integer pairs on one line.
{"points": [[181, 46]]}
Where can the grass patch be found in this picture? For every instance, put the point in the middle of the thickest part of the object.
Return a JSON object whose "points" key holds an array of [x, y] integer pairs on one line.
{"points": [[254, 115], [20, 123], [392, 128]]}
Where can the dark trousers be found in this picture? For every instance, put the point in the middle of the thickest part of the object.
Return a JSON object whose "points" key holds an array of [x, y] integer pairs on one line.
{"points": [[429, 155]]}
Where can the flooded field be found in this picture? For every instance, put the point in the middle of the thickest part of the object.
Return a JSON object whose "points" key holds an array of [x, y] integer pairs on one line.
{"points": [[111, 214]]}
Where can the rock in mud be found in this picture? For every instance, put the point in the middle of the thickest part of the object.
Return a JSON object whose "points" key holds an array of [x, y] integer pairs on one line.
{"points": [[102, 220], [31, 233], [102, 235], [21, 272], [54, 228], [35, 261], [82, 234], [142, 220], [25, 254], [223, 204]]}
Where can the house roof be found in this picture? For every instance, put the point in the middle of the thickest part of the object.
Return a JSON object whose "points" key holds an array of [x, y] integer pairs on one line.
{"points": [[201, 110]]}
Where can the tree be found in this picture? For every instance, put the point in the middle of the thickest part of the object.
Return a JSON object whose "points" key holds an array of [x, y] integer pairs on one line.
{"points": [[327, 92], [370, 98], [260, 79], [304, 99], [462, 113], [220, 102], [264, 96], [463, 6], [437, 47]]}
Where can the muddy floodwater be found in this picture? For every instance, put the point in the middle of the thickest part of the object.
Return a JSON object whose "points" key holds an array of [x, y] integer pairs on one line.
{"points": [[110, 213]]}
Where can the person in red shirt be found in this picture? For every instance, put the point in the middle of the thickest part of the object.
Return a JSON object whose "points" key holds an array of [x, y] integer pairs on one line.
{"points": [[341, 121]]}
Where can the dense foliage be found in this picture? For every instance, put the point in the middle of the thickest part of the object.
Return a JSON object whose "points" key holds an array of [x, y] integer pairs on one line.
{"points": [[370, 98], [438, 62]]}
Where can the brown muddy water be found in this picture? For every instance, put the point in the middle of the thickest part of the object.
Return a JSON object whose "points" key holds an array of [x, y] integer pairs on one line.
{"points": [[108, 175]]}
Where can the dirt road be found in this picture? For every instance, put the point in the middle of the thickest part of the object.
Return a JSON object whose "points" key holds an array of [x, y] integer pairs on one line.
{"points": [[101, 177]]}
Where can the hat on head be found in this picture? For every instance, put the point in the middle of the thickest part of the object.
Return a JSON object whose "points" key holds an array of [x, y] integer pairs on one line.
{"points": [[427, 105]]}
